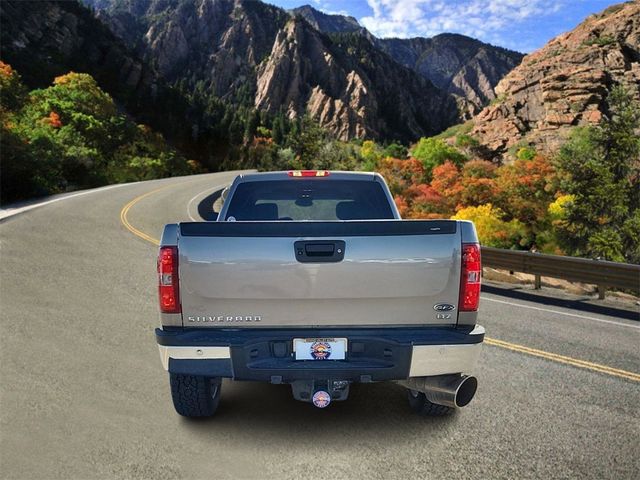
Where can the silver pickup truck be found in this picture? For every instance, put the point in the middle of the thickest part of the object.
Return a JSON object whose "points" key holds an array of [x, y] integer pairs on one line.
{"points": [[310, 278]]}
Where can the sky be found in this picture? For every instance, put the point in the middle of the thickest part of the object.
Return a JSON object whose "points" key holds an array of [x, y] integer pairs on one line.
{"points": [[522, 25]]}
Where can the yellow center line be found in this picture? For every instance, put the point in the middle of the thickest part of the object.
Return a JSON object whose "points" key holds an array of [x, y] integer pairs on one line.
{"points": [[554, 357], [125, 211], [596, 367]]}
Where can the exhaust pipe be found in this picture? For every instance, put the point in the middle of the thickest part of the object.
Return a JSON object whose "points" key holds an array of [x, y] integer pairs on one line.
{"points": [[448, 390]]}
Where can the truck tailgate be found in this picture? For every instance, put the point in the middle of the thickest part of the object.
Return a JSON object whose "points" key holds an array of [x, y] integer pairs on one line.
{"points": [[273, 274]]}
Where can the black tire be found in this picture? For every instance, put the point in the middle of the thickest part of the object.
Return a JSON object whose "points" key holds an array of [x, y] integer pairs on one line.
{"points": [[421, 405], [195, 396]]}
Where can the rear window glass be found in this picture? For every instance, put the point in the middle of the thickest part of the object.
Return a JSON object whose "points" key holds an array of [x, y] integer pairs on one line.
{"points": [[309, 200]]}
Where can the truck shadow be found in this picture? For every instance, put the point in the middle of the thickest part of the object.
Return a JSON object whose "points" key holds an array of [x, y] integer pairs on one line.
{"points": [[262, 411], [206, 207]]}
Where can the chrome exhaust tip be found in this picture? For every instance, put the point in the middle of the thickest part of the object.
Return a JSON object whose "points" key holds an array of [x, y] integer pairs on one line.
{"points": [[454, 391]]}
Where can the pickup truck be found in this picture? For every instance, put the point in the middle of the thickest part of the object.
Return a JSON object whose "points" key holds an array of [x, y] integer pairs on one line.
{"points": [[312, 279]]}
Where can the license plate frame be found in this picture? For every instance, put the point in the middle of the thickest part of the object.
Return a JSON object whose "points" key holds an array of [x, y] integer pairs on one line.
{"points": [[315, 349]]}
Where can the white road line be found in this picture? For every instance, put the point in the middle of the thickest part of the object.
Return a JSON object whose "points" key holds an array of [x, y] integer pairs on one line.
{"points": [[210, 189], [11, 211], [602, 320]]}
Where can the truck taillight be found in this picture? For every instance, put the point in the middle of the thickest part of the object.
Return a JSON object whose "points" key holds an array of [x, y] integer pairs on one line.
{"points": [[168, 284], [470, 277]]}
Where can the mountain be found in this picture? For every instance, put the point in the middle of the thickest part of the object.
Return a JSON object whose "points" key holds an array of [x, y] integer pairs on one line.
{"points": [[564, 84], [459, 65], [349, 86], [46, 39], [196, 69], [328, 23], [254, 54]]}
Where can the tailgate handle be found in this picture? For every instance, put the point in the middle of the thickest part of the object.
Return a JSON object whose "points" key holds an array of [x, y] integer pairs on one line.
{"points": [[319, 249], [315, 251]]}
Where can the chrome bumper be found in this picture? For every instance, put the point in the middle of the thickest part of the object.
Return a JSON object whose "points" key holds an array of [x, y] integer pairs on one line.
{"points": [[428, 360]]}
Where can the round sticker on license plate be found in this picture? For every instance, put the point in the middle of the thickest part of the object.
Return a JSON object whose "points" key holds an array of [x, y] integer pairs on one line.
{"points": [[320, 350]]}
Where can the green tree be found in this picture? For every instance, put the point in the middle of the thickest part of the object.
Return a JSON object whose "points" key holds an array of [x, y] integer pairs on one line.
{"points": [[253, 121], [278, 129], [433, 152], [12, 91], [600, 168], [395, 150], [371, 154]]}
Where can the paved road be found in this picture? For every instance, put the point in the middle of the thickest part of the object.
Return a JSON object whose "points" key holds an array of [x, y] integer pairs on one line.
{"points": [[84, 395]]}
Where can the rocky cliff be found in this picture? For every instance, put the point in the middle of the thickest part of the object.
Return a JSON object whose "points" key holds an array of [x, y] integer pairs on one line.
{"points": [[327, 23], [349, 86], [459, 65], [254, 54], [564, 84]]}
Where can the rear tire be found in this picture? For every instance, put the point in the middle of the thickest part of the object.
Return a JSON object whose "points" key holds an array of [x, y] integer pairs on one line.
{"points": [[195, 396], [420, 404]]}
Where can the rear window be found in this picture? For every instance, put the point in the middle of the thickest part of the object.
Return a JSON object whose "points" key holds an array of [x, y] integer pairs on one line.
{"points": [[309, 200]]}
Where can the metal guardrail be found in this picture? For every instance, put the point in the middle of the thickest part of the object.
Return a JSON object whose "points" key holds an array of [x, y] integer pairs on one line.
{"points": [[595, 272]]}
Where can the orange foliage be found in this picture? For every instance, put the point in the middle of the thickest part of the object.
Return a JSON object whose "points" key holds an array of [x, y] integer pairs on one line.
{"points": [[478, 184], [401, 203], [261, 141], [400, 174], [526, 188], [53, 119], [5, 69], [447, 183], [66, 78]]}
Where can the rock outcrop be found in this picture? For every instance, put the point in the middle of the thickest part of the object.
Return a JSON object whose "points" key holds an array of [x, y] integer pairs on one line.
{"points": [[328, 23], [459, 65], [564, 84]]}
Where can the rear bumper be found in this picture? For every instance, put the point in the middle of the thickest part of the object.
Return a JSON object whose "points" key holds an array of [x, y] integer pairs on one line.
{"points": [[374, 354]]}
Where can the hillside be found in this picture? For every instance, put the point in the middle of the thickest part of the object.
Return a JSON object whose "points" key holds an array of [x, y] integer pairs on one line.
{"points": [[350, 87], [231, 50], [459, 65], [44, 40], [462, 66], [564, 84]]}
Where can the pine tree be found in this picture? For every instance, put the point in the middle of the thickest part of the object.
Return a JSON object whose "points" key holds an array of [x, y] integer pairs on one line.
{"points": [[600, 168]]}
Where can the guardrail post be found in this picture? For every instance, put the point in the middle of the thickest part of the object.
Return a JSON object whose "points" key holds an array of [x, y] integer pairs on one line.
{"points": [[537, 282], [601, 291]]}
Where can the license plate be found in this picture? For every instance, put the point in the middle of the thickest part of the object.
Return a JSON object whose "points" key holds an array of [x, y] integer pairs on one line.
{"points": [[320, 348]]}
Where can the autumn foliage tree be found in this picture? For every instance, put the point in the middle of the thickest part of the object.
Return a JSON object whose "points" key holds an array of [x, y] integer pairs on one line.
{"points": [[401, 174], [493, 230], [526, 188], [71, 135], [478, 183]]}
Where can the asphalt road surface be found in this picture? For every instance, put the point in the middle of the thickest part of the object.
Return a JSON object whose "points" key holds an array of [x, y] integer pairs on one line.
{"points": [[83, 394]]}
